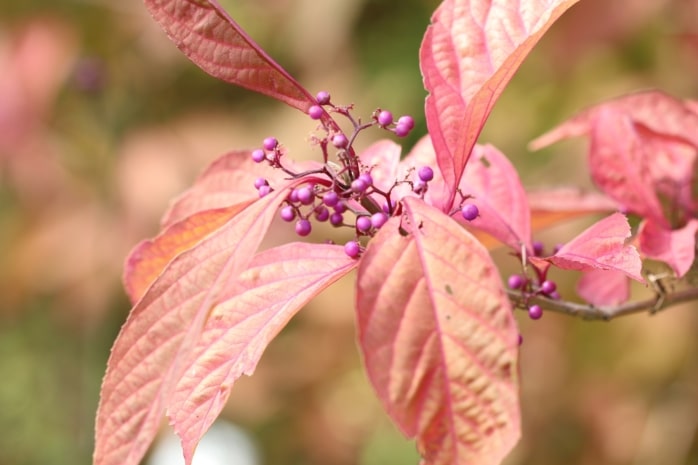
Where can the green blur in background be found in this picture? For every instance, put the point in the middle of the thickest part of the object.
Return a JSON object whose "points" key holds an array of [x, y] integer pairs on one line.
{"points": [[103, 122]]}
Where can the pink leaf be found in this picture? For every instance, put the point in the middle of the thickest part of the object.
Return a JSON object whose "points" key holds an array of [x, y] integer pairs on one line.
{"points": [[643, 146], [276, 285], [601, 247], [469, 53], [227, 181], [439, 340], [149, 258], [658, 111], [551, 206], [218, 45], [163, 328], [675, 247], [497, 191], [604, 287]]}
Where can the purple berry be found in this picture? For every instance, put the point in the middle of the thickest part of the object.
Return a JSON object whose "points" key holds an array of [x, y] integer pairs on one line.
{"points": [[401, 130], [378, 219], [516, 281], [258, 155], [537, 248], [358, 185], [315, 112], [419, 186], [259, 182], [264, 191], [330, 199], [385, 118], [341, 207], [303, 227], [548, 287], [363, 224], [425, 173], [288, 213], [557, 248], [293, 196], [270, 143], [470, 211], [554, 295], [406, 121], [520, 338], [322, 97], [336, 219], [367, 178], [321, 213], [386, 208], [340, 141], [535, 312], [305, 195], [352, 249]]}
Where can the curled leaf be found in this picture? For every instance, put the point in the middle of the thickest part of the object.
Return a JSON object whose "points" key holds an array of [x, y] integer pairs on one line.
{"points": [[601, 247], [676, 247]]}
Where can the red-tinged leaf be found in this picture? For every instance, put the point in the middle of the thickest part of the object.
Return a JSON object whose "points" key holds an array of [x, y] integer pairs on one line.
{"points": [[604, 287], [227, 181], [643, 146], [469, 53], [149, 258], [496, 189], [676, 247], [618, 162], [658, 111], [157, 340], [277, 284], [439, 339], [552, 206], [601, 247], [217, 44]]}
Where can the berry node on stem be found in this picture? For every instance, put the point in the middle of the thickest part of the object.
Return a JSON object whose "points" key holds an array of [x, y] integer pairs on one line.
{"points": [[270, 143], [425, 173], [363, 224], [303, 227], [535, 312], [385, 118], [258, 155], [469, 211], [406, 121], [340, 141], [315, 112], [516, 281], [352, 249], [323, 97], [548, 287], [288, 213]]}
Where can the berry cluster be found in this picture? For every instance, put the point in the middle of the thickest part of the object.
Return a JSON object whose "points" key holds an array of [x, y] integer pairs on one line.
{"points": [[342, 192], [531, 288]]}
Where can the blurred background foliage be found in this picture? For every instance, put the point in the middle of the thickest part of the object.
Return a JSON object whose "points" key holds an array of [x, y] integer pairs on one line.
{"points": [[102, 122]]}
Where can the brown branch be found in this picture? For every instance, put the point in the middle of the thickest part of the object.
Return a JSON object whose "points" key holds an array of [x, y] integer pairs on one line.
{"points": [[591, 312]]}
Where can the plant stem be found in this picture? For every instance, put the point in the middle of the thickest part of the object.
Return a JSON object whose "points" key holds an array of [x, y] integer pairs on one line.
{"points": [[606, 313]]}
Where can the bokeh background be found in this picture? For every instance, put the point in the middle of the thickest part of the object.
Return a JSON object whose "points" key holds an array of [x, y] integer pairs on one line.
{"points": [[102, 122]]}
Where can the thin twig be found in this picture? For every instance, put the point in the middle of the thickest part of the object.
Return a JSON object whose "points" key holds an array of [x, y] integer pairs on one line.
{"points": [[591, 312]]}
